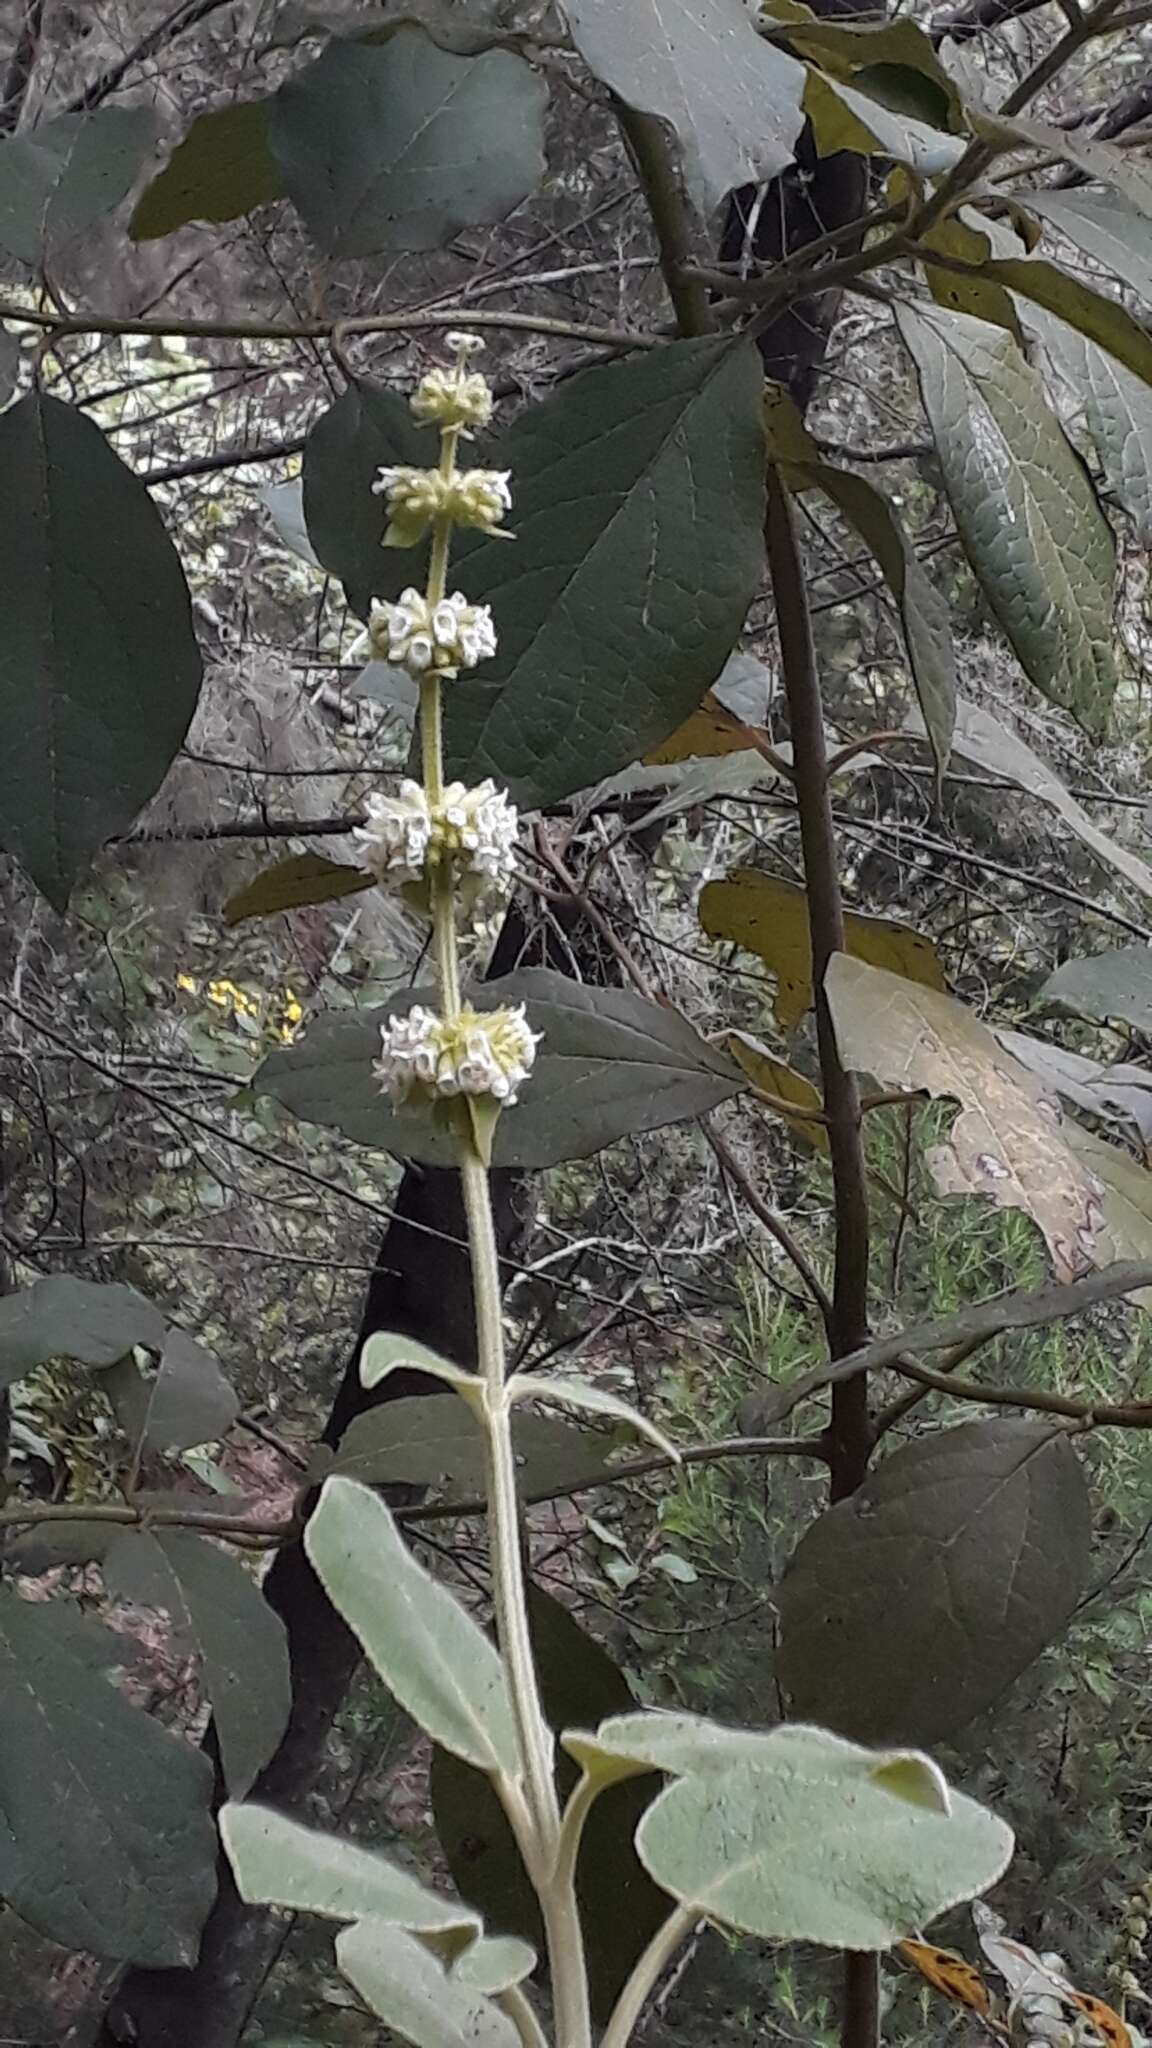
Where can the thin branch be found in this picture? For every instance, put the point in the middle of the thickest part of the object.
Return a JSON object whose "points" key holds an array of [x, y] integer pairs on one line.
{"points": [[57, 323], [1018, 1310], [1115, 1414], [651, 154]]}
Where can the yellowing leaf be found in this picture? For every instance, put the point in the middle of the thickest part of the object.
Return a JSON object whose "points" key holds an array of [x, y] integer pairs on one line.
{"points": [[765, 1071], [957, 1978], [305, 878], [708, 732], [1009, 1142], [770, 918]]}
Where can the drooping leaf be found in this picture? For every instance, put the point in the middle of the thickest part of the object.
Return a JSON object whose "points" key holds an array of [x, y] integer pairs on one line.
{"points": [[709, 733], [94, 1322], [218, 1615], [638, 512], [51, 1544], [1119, 1094], [964, 292], [620, 1907], [305, 878], [424, 1441], [1025, 509], [277, 1862], [366, 428], [185, 1402], [1007, 1142], [1103, 228], [411, 1991], [221, 169], [610, 1063], [844, 118], [370, 139], [770, 918], [1117, 409], [95, 699], [845, 48], [731, 98], [107, 1842], [1102, 319], [818, 1850], [58, 179], [765, 1071], [924, 614], [695, 782], [937, 1583], [587, 1398], [1115, 986], [429, 1652], [1102, 162], [989, 745]]}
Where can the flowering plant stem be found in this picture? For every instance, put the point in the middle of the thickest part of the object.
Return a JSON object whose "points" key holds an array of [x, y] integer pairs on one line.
{"points": [[532, 1805]]}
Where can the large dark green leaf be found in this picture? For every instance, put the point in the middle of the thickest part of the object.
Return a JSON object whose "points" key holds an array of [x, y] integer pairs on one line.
{"points": [[399, 145], [58, 180], [907, 1610], [425, 1441], [219, 1615], [221, 169], [1115, 986], [61, 1317], [620, 1906], [638, 511], [99, 668], [1024, 506], [107, 1842], [367, 427], [733, 99], [610, 1064]]}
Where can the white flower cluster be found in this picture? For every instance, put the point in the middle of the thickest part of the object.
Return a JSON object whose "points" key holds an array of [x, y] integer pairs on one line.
{"points": [[453, 398], [424, 638], [482, 1053], [415, 497], [474, 829]]}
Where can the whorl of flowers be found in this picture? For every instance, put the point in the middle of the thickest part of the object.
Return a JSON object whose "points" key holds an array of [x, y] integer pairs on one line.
{"points": [[425, 1058], [406, 837], [431, 638], [416, 497]]}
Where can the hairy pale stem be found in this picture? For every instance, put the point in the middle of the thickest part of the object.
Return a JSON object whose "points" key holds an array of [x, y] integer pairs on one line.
{"points": [[532, 1802]]}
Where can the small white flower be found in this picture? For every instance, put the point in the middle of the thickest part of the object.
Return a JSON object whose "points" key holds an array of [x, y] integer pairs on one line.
{"points": [[421, 637], [394, 843], [453, 398], [463, 343], [480, 497], [424, 1057]]}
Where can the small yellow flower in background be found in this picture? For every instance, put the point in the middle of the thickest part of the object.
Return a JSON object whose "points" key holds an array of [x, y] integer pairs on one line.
{"points": [[186, 982]]}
